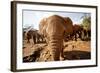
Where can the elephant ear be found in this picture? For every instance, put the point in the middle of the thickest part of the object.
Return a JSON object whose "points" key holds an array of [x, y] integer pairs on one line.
{"points": [[42, 26], [68, 25]]}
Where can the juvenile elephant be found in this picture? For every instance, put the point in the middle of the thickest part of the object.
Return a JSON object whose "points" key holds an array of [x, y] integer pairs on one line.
{"points": [[53, 28]]}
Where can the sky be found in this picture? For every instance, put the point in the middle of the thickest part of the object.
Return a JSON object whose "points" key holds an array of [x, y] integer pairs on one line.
{"points": [[32, 18]]}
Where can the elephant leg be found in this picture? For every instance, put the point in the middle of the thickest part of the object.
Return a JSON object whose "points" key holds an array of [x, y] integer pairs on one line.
{"points": [[61, 50], [89, 35], [72, 36], [42, 38], [34, 39], [79, 33], [85, 33], [28, 40], [75, 36], [62, 54], [38, 38]]}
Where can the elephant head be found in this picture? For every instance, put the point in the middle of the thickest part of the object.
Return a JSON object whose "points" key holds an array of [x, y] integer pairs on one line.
{"points": [[54, 27]]}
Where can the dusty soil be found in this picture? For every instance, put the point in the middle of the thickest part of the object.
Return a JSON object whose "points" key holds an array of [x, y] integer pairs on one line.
{"points": [[73, 50]]}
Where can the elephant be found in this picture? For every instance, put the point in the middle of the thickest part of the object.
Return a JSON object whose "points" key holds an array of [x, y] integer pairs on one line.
{"points": [[80, 32], [34, 34], [24, 35], [54, 27], [77, 31], [86, 34], [31, 34], [40, 37], [68, 34]]}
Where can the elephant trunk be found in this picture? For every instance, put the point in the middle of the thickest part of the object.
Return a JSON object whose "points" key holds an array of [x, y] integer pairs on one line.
{"points": [[55, 43], [54, 28]]}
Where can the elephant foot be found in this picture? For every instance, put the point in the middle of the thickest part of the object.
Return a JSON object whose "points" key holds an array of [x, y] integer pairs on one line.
{"points": [[62, 58]]}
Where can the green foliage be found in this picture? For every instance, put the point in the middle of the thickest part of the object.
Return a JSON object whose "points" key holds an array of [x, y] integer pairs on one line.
{"points": [[86, 22]]}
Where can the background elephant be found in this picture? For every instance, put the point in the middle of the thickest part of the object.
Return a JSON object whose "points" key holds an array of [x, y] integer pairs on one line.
{"points": [[86, 34], [53, 28], [34, 34], [39, 37], [31, 34], [24, 35], [77, 31]]}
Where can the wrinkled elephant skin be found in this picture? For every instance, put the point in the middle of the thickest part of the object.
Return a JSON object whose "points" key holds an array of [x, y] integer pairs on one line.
{"points": [[54, 28]]}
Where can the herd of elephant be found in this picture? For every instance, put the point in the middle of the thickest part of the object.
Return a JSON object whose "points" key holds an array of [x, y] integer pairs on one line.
{"points": [[54, 30], [35, 35]]}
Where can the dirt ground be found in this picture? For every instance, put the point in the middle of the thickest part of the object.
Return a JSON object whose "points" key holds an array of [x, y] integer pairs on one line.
{"points": [[73, 50]]}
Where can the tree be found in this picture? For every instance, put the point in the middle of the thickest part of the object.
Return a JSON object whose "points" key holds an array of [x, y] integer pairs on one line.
{"points": [[86, 22]]}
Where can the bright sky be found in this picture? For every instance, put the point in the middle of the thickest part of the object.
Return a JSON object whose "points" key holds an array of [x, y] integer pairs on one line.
{"points": [[32, 18]]}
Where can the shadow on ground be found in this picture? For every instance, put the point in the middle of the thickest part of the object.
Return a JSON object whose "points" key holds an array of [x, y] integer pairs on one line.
{"points": [[68, 55], [77, 55]]}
